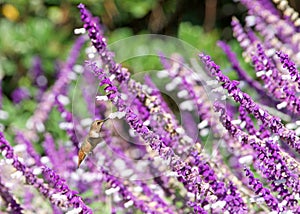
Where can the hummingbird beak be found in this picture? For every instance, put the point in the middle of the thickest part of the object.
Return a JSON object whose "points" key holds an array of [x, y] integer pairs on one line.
{"points": [[105, 119], [81, 156]]}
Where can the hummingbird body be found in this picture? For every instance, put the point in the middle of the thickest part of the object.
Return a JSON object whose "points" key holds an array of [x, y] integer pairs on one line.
{"points": [[91, 141]]}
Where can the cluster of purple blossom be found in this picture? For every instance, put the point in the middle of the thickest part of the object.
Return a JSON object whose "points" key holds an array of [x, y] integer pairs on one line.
{"points": [[255, 139]]}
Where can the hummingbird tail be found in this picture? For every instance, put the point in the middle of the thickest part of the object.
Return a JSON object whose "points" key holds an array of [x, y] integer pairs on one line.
{"points": [[81, 156]]}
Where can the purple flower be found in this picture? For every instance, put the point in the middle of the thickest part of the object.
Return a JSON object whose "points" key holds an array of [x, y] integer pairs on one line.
{"points": [[187, 176], [20, 94], [246, 101], [11, 205], [99, 42], [272, 166], [51, 152], [8, 152], [62, 189], [36, 122], [29, 148], [241, 73], [290, 65], [68, 118], [38, 77], [37, 72], [258, 188]]}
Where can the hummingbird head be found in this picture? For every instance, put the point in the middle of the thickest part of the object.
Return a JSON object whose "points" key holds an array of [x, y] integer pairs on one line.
{"points": [[96, 128]]}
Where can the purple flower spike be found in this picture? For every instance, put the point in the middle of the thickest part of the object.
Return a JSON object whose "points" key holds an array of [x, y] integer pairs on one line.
{"points": [[38, 77], [29, 148], [11, 204], [63, 192], [99, 42], [36, 122], [271, 164], [186, 175], [290, 65], [274, 123], [242, 73], [31, 179], [258, 188], [68, 117]]}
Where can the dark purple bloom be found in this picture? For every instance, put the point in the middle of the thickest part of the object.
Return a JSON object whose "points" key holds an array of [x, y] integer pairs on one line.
{"points": [[38, 77], [290, 66], [99, 42], [258, 188], [11, 205], [62, 189], [20, 94], [242, 73]]}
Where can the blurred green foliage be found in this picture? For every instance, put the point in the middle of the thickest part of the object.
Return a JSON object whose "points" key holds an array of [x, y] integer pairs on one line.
{"points": [[45, 28]]}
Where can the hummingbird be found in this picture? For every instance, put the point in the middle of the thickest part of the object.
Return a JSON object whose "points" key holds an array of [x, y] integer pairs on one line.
{"points": [[91, 140]]}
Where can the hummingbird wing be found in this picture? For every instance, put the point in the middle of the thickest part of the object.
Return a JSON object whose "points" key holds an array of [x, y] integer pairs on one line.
{"points": [[87, 146], [94, 142]]}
